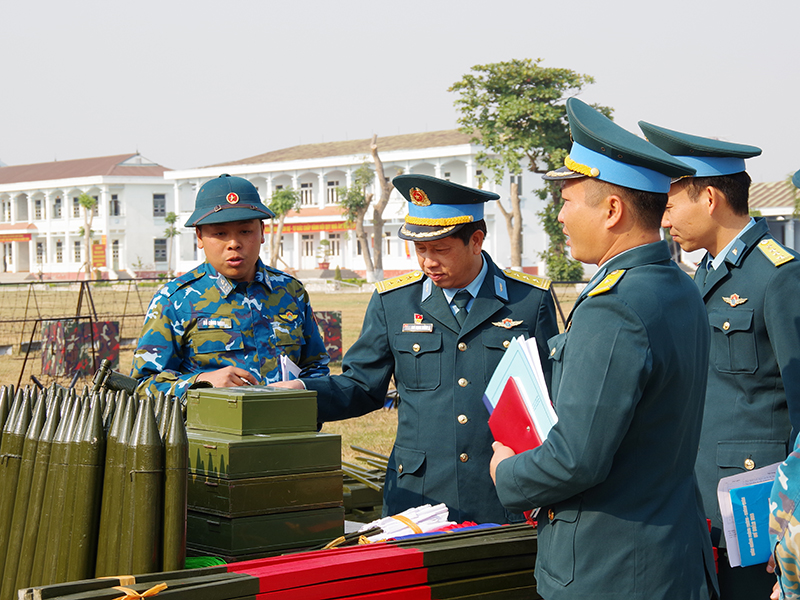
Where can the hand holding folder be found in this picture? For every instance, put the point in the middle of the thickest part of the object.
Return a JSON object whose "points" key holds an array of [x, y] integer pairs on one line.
{"points": [[517, 399]]}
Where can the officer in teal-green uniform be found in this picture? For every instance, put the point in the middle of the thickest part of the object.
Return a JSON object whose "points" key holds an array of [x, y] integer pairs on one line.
{"points": [[441, 332], [750, 284], [620, 512]]}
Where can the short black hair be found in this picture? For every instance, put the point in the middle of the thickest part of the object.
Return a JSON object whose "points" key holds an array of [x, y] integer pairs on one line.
{"points": [[647, 207], [735, 187], [465, 233]]}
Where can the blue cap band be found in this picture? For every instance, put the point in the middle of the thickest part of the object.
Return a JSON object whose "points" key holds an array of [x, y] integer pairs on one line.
{"points": [[712, 166], [445, 211], [620, 173]]}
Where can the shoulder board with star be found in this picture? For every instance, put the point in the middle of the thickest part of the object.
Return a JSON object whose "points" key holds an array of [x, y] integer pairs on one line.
{"points": [[776, 253], [397, 282], [543, 283], [608, 282]]}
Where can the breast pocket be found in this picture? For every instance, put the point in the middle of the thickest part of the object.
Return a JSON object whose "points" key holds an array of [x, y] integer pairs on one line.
{"points": [[495, 341], [213, 346], [419, 359], [288, 334], [733, 342]]}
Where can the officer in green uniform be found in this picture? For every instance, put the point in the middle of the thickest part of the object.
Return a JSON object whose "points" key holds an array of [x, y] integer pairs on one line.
{"points": [[620, 513], [441, 332], [750, 284]]}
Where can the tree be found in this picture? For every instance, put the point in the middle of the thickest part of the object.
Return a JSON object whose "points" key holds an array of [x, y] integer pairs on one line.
{"points": [[355, 202], [170, 232], [282, 202], [516, 111], [88, 204]]}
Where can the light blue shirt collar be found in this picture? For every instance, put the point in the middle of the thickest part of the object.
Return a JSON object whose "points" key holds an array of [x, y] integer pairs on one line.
{"points": [[473, 288], [719, 258]]}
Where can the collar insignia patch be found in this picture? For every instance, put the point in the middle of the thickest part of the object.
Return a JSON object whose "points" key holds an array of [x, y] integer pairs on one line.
{"points": [[734, 299], [417, 318]]}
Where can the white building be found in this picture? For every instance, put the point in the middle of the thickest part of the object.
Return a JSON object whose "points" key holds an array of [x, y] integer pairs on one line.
{"points": [[317, 170], [41, 219]]}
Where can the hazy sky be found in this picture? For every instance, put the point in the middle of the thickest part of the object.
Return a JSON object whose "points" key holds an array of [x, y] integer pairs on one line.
{"points": [[195, 83]]}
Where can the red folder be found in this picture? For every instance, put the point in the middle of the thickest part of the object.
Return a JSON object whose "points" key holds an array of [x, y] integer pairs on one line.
{"points": [[510, 422]]}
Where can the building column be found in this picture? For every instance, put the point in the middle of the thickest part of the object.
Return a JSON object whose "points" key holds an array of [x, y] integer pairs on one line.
{"points": [[298, 250], [470, 173], [437, 169], [105, 199], [322, 199]]}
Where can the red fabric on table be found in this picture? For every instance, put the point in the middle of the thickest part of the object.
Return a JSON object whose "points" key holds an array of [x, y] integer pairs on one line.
{"points": [[320, 566], [347, 588]]}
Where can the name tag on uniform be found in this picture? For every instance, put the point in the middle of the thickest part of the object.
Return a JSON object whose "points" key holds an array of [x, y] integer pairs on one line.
{"points": [[214, 323], [418, 327]]}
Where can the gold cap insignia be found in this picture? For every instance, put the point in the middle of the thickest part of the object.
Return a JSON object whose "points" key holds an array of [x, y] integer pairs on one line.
{"points": [[734, 300], [232, 198], [506, 323], [418, 197]]}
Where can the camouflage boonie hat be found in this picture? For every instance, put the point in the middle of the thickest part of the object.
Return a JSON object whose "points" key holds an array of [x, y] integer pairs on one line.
{"points": [[227, 199]]}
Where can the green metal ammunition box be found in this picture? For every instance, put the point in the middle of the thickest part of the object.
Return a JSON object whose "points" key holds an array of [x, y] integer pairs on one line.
{"points": [[239, 457], [251, 409], [265, 495], [264, 533]]}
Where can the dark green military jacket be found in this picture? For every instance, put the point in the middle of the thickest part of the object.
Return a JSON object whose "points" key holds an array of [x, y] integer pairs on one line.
{"points": [[621, 515], [443, 444], [753, 395]]}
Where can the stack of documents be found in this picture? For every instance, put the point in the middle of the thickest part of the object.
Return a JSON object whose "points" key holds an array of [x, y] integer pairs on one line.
{"points": [[521, 414]]}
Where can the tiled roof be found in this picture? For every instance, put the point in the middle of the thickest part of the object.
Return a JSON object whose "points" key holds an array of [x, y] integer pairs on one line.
{"points": [[122, 165], [776, 194], [433, 139]]}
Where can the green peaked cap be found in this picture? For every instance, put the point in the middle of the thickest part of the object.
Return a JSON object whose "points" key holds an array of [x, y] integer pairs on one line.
{"points": [[709, 157]]}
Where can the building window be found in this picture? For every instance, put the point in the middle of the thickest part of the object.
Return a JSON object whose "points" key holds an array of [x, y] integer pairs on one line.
{"points": [[447, 175], [76, 252], [333, 192], [306, 194], [307, 241], [358, 247], [336, 244], [159, 205], [160, 250], [388, 237], [59, 251], [96, 207], [37, 211], [518, 180], [76, 207], [40, 252], [278, 188], [113, 206], [194, 247], [115, 251], [57, 208]]}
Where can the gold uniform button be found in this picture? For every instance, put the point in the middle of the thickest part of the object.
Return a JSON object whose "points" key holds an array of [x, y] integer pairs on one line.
{"points": [[462, 346], [464, 457], [462, 419], [415, 347], [506, 343], [749, 464], [463, 382], [400, 468], [726, 325], [551, 514]]}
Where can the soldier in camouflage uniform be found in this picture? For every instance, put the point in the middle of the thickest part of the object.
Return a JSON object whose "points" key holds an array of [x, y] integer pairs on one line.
{"points": [[228, 321]]}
